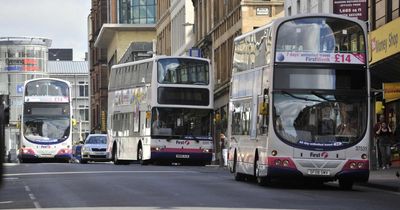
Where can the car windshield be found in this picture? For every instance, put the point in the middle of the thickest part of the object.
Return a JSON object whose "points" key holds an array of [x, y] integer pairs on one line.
{"points": [[96, 140]]}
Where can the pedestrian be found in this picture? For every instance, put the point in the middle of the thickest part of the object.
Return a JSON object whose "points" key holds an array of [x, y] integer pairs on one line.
{"points": [[383, 134], [224, 150], [381, 119]]}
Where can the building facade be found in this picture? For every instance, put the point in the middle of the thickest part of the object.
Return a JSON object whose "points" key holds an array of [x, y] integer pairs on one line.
{"points": [[21, 59], [122, 22], [97, 64], [60, 54], [77, 73], [294, 7], [175, 17]]}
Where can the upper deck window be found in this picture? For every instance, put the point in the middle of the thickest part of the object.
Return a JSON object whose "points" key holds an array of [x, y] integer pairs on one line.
{"points": [[46, 88], [320, 35], [183, 71]]}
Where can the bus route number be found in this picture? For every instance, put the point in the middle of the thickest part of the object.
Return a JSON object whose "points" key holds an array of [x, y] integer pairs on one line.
{"points": [[341, 58]]}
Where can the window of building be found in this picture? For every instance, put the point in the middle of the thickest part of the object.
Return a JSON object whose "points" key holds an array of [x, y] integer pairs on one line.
{"points": [[84, 113], [83, 89], [137, 11]]}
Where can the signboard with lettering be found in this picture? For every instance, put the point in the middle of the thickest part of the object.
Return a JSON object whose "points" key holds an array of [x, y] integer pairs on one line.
{"points": [[351, 8], [391, 91], [309, 57], [262, 11], [384, 41]]}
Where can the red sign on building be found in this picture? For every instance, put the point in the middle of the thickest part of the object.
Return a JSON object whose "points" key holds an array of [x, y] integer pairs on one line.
{"points": [[351, 8]]}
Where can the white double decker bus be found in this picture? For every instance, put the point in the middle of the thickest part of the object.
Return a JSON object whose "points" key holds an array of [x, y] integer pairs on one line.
{"points": [[160, 110], [46, 120], [300, 101]]}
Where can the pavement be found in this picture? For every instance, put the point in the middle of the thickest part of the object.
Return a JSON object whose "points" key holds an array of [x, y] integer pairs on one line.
{"points": [[388, 179]]}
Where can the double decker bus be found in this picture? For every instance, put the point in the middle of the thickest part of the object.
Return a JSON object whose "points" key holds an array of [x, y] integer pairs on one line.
{"points": [[160, 110], [299, 101], [46, 120]]}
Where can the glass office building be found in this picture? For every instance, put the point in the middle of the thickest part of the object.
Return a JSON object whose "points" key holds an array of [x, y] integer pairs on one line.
{"points": [[137, 11]]}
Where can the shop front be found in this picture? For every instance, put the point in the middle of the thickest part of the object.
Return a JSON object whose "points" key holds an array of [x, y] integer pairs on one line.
{"points": [[384, 62]]}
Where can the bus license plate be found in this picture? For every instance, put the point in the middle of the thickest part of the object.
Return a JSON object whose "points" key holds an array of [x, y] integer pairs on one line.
{"points": [[318, 172], [182, 156]]}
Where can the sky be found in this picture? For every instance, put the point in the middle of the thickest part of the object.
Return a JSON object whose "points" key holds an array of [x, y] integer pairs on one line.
{"points": [[62, 21]]}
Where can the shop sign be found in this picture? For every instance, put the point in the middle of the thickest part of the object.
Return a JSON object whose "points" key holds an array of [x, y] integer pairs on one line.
{"points": [[351, 8], [384, 41], [391, 91]]}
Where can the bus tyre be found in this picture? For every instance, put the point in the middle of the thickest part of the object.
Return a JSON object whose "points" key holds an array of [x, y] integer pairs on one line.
{"points": [[140, 156], [346, 184], [115, 157], [238, 176]]}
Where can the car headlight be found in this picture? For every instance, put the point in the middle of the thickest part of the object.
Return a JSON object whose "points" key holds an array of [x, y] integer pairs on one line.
{"points": [[85, 149]]}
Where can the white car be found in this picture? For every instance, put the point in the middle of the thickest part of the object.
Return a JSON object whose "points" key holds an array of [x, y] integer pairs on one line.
{"points": [[94, 148]]}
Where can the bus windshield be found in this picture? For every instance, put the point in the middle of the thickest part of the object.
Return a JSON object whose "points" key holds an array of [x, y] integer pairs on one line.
{"points": [[183, 71], [181, 122], [45, 123], [320, 120], [321, 35]]}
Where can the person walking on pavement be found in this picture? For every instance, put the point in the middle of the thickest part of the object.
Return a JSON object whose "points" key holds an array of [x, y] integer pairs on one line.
{"points": [[383, 133], [224, 150]]}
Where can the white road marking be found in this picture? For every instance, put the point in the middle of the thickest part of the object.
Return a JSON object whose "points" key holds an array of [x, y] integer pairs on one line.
{"points": [[11, 178], [93, 172], [37, 205], [6, 202], [27, 189], [32, 197]]}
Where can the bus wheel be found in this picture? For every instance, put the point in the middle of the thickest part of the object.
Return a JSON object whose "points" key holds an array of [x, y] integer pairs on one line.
{"points": [[346, 184], [238, 176], [114, 156], [140, 156]]}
